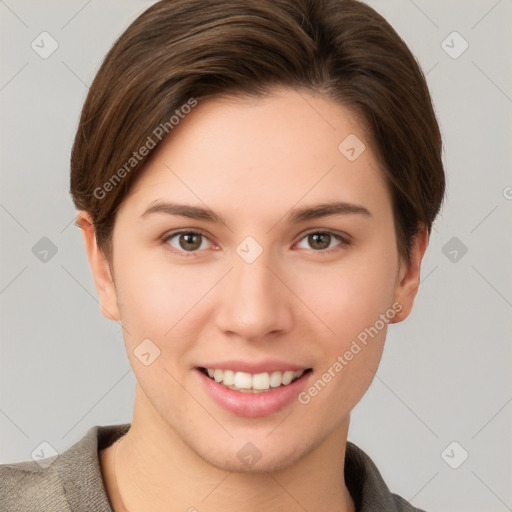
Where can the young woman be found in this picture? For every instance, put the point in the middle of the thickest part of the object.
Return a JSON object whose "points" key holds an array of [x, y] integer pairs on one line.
{"points": [[255, 183]]}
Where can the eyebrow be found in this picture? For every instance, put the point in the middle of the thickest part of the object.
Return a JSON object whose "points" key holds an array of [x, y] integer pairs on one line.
{"points": [[325, 209], [294, 216]]}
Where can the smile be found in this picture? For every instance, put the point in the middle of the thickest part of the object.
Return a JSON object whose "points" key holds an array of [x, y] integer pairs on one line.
{"points": [[253, 383]]}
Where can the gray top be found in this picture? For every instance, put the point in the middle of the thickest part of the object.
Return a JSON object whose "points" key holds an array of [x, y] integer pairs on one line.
{"points": [[73, 482]]}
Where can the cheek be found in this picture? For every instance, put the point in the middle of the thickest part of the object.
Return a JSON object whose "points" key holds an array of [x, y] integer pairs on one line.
{"points": [[356, 306], [145, 297], [158, 300], [156, 303], [349, 297], [355, 301]]}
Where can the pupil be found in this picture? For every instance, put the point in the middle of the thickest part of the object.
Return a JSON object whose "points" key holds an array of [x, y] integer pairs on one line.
{"points": [[190, 241], [319, 240]]}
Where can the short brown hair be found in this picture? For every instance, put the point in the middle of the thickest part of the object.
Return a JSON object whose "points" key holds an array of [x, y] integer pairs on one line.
{"points": [[183, 50]]}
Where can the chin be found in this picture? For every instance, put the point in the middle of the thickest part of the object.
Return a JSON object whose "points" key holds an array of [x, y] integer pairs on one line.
{"points": [[260, 456], [267, 463]]}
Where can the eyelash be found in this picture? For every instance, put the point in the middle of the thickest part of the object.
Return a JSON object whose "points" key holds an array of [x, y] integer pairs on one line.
{"points": [[344, 240]]}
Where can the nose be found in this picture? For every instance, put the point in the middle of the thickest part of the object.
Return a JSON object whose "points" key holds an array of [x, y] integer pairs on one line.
{"points": [[253, 303]]}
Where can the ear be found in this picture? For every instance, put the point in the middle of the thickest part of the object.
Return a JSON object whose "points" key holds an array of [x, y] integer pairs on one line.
{"points": [[408, 279], [100, 268]]}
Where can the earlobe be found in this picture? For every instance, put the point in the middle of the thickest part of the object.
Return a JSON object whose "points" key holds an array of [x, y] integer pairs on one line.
{"points": [[409, 276], [100, 268]]}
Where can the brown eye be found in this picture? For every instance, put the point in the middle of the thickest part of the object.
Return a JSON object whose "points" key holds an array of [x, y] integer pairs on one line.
{"points": [[319, 241], [188, 241]]}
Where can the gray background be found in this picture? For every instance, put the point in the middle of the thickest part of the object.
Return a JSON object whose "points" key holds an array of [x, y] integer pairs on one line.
{"points": [[445, 374]]}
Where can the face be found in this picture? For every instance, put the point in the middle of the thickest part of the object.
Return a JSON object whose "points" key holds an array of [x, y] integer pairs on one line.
{"points": [[254, 251]]}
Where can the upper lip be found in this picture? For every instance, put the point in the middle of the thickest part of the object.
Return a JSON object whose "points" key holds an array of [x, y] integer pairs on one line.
{"points": [[252, 367]]}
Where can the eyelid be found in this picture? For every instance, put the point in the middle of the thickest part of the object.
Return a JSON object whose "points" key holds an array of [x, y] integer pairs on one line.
{"points": [[345, 238], [195, 231], [177, 231]]}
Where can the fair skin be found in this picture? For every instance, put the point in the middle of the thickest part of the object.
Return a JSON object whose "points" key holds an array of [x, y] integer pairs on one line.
{"points": [[252, 162]]}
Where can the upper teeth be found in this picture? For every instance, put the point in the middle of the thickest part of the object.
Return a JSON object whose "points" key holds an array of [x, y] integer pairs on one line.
{"points": [[258, 381]]}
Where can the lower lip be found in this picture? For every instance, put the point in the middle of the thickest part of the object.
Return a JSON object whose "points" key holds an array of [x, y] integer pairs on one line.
{"points": [[254, 405]]}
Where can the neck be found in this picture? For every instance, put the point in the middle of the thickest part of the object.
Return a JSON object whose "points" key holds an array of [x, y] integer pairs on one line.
{"points": [[152, 460]]}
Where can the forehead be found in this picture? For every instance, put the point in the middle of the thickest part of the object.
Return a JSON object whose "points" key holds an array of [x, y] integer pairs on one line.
{"points": [[269, 152]]}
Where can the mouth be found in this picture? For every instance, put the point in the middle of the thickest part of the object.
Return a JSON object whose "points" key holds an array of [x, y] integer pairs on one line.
{"points": [[256, 383]]}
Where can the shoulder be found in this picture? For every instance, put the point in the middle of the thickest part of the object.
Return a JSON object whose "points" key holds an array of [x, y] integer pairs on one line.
{"points": [[27, 486], [70, 481], [367, 487]]}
